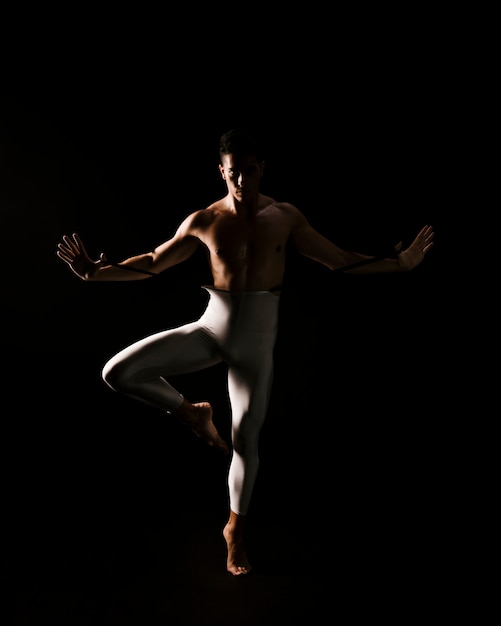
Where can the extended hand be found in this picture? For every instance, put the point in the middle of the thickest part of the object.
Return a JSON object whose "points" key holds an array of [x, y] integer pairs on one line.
{"points": [[72, 251], [414, 254]]}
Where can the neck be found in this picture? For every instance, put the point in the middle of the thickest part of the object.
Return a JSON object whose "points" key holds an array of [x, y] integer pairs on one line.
{"points": [[248, 207]]}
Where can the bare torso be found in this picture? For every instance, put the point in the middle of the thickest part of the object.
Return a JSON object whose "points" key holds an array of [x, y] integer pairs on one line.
{"points": [[246, 250]]}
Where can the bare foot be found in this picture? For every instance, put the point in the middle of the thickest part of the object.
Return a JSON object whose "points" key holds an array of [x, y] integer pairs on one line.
{"points": [[237, 562], [199, 418]]}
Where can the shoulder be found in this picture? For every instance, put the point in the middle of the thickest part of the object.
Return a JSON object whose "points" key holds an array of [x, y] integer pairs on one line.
{"points": [[290, 212], [201, 218]]}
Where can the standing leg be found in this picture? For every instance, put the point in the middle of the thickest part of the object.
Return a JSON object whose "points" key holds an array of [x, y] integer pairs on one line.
{"points": [[249, 388]]}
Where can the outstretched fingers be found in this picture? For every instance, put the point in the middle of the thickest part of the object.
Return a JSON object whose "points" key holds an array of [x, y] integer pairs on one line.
{"points": [[424, 238], [72, 247], [67, 249]]}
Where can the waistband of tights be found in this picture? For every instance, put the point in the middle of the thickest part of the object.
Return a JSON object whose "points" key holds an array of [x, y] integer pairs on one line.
{"points": [[228, 291]]}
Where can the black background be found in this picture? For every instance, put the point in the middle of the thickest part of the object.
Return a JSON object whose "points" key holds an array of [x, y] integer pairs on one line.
{"points": [[109, 128]]}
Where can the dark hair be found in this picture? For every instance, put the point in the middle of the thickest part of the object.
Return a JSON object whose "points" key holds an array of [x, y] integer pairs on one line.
{"points": [[242, 142]]}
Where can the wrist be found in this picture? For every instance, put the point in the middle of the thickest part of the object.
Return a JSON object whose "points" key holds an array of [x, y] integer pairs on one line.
{"points": [[403, 261], [89, 274]]}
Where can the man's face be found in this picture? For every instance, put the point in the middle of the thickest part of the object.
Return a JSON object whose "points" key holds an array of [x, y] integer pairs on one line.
{"points": [[242, 175]]}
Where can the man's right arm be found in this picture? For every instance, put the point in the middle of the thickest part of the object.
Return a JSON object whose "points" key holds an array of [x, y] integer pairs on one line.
{"points": [[138, 267]]}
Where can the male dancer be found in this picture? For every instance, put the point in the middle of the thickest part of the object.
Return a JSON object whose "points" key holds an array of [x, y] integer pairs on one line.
{"points": [[245, 235]]}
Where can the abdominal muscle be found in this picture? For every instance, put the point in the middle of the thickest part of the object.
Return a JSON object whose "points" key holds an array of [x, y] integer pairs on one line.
{"points": [[236, 284], [248, 277]]}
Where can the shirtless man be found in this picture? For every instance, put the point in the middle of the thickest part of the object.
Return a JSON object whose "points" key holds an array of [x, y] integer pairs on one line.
{"points": [[245, 235]]}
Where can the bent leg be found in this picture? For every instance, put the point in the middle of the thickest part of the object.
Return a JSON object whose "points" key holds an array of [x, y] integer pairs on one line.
{"points": [[139, 370]]}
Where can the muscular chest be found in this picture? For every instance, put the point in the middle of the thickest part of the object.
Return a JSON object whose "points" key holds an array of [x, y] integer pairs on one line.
{"points": [[240, 242]]}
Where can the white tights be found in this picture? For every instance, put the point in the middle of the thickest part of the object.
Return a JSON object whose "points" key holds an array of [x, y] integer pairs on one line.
{"points": [[238, 328]]}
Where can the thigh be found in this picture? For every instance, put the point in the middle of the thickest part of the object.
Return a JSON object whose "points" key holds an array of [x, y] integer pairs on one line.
{"points": [[178, 350], [250, 379]]}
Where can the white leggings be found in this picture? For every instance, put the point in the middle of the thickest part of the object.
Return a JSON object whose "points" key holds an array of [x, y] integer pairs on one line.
{"points": [[238, 328]]}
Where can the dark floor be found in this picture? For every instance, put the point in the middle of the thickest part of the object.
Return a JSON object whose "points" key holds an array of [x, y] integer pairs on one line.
{"points": [[112, 526], [131, 567]]}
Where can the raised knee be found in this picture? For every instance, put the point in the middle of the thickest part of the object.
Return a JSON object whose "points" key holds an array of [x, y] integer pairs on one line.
{"points": [[113, 376]]}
